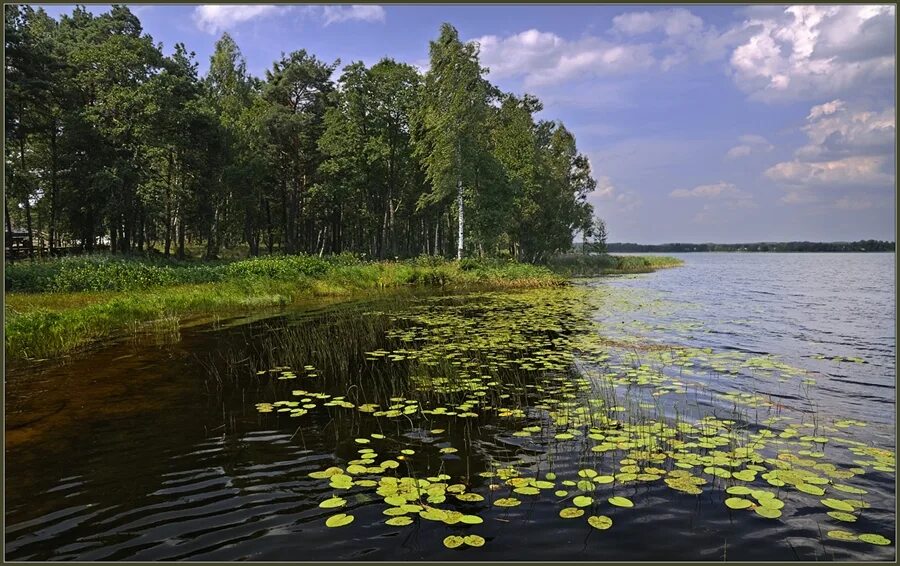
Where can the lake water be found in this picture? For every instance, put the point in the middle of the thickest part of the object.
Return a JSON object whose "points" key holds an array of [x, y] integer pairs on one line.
{"points": [[764, 380]]}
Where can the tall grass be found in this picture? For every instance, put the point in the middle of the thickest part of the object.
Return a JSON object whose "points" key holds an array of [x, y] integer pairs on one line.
{"points": [[589, 265], [59, 306]]}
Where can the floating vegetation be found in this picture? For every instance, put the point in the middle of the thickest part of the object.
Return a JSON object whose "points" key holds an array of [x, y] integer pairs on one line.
{"points": [[551, 380]]}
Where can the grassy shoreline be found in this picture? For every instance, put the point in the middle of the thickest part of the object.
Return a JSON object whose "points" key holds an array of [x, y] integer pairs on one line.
{"points": [[58, 307]]}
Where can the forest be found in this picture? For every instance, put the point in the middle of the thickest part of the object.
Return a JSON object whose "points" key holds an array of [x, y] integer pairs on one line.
{"points": [[859, 246], [113, 145]]}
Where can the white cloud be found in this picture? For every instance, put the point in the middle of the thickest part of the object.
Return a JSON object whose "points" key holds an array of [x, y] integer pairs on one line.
{"points": [[750, 143], [361, 12], [849, 171], [217, 18], [845, 147], [610, 197], [811, 51], [715, 190], [546, 58], [675, 22]]}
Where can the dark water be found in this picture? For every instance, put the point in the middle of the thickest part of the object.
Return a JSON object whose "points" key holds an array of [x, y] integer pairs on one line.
{"points": [[156, 449]]}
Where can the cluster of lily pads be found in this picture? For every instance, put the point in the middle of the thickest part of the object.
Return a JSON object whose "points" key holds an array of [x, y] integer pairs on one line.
{"points": [[560, 381]]}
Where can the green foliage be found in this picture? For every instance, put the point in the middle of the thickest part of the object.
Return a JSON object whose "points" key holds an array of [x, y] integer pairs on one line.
{"points": [[113, 145], [589, 265], [171, 289]]}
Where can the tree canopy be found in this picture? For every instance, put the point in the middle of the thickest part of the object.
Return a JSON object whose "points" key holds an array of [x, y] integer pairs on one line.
{"points": [[111, 144]]}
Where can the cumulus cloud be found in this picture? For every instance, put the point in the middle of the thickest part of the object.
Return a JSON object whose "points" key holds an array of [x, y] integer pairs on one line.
{"points": [[675, 22], [217, 18], [361, 12], [715, 190], [606, 195], [845, 147], [849, 171], [214, 19], [811, 51], [717, 198], [544, 57], [750, 143]]}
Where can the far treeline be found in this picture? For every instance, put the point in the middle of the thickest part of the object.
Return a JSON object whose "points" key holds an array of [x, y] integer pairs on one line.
{"points": [[110, 144], [860, 246]]}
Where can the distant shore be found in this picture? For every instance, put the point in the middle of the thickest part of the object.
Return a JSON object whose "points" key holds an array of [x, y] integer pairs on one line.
{"points": [[861, 246]]}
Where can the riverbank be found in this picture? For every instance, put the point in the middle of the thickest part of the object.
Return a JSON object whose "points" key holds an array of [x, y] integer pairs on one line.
{"points": [[584, 265], [56, 307]]}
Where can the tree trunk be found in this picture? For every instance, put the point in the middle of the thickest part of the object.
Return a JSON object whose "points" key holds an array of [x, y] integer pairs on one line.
{"points": [[180, 234], [168, 244], [9, 233], [53, 189], [459, 204]]}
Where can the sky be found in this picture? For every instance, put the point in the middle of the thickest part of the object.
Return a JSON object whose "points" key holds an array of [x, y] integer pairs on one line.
{"points": [[702, 123]]}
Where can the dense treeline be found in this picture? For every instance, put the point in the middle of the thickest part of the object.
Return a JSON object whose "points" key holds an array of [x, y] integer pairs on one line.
{"points": [[111, 143], [860, 246]]}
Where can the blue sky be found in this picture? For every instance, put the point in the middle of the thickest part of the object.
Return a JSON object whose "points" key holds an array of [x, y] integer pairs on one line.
{"points": [[702, 123]]}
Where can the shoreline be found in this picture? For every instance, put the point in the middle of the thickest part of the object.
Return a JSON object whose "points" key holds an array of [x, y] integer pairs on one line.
{"points": [[51, 324]]}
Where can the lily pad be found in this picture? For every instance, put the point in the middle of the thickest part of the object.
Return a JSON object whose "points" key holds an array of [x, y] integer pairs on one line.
{"points": [[874, 539], [571, 513], [837, 504], [582, 501], [737, 503], [333, 502], [507, 502], [767, 512], [399, 521], [473, 540], [601, 522], [842, 535], [842, 516], [620, 501], [453, 541], [339, 520]]}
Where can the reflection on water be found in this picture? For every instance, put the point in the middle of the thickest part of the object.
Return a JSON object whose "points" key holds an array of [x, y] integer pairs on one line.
{"points": [[548, 424]]}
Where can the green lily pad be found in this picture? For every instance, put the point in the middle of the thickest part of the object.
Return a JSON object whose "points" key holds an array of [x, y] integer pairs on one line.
{"points": [[842, 516], [772, 503], [333, 502], [582, 501], [767, 512], [601, 522], [737, 503], [473, 540], [471, 519], [560, 493], [453, 541], [571, 513], [620, 501], [738, 490], [395, 500], [874, 539], [339, 520], [507, 502], [837, 504], [810, 489], [399, 521], [842, 535]]}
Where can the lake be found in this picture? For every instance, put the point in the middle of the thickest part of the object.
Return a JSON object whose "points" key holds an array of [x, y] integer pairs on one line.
{"points": [[740, 407]]}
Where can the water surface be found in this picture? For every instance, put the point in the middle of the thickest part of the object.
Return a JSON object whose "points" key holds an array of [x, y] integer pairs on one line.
{"points": [[200, 444]]}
